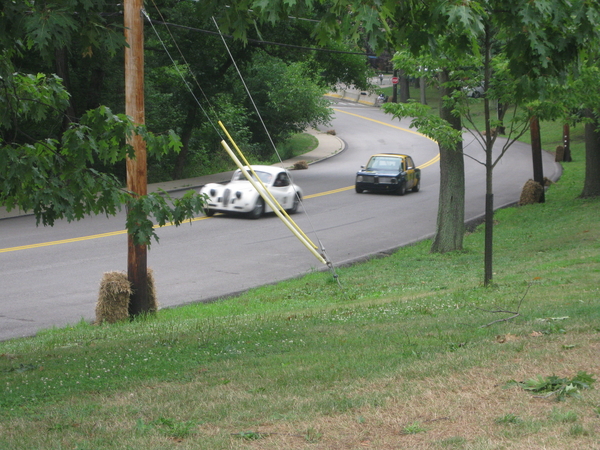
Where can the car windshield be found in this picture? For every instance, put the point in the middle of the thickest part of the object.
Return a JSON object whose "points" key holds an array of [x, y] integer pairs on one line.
{"points": [[384, 163], [265, 177]]}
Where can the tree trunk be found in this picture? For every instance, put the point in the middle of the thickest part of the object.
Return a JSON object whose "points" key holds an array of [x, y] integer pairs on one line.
{"points": [[451, 207], [95, 88], [536, 153], [61, 63], [489, 168], [186, 135], [591, 184], [404, 88]]}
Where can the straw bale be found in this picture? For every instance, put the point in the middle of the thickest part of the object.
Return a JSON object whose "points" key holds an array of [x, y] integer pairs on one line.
{"points": [[531, 193], [152, 300], [113, 298], [299, 165]]}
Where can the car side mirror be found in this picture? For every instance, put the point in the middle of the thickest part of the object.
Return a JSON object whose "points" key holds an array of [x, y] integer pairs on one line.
{"points": [[362, 167]]}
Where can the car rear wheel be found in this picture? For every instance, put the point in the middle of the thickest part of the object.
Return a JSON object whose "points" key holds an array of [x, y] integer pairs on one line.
{"points": [[417, 186], [258, 209]]}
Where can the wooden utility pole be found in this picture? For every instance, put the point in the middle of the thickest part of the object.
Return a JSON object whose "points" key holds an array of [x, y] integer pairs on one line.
{"points": [[137, 269]]}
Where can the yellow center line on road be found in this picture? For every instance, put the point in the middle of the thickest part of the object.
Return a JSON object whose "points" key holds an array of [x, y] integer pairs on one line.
{"points": [[382, 123], [435, 159], [427, 164], [82, 238], [335, 191], [121, 232]]}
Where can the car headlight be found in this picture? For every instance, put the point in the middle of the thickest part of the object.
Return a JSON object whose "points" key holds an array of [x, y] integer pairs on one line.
{"points": [[212, 192], [359, 178], [238, 195]]}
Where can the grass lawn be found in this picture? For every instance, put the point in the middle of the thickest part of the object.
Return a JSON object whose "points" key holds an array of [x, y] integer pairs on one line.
{"points": [[409, 352]]}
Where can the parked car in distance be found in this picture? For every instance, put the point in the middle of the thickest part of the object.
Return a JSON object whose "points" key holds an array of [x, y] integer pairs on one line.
{"points": [[475, 92], [240, 197], [389, 172]]}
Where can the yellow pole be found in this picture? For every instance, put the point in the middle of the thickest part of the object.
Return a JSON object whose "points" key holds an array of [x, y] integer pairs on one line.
{"points": [[266, 198], [283, 211]]}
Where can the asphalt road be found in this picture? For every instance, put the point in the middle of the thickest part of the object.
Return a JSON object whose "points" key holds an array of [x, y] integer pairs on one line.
{"points": [[56, 283]]}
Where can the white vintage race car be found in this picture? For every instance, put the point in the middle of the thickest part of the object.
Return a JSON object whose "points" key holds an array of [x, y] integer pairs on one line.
{"points": [[239, 196]]}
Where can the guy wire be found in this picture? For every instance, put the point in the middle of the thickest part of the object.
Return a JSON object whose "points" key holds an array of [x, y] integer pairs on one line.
{"points": [[185, 82], [322, 248], [328, 261]]}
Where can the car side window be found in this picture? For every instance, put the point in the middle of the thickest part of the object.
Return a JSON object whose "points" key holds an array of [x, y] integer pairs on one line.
{"points": [[282, 180], [409, 163]]}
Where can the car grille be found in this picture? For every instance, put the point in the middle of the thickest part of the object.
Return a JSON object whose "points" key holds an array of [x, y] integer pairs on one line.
{"points": [[377, 179], [226, 195]]}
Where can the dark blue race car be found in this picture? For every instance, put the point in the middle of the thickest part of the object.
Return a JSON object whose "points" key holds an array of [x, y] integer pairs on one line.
{"points": [[389, 172]]}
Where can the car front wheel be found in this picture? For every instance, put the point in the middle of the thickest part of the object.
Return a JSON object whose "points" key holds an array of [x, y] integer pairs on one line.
{"points": [[358, 190], [257, 211], [402, 188], [295, 204], [209, 212]]}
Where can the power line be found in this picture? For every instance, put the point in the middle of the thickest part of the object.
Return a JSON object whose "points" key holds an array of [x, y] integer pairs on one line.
{"points": [[257, 41]]}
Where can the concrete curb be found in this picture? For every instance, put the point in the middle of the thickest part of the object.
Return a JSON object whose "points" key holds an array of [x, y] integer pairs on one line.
{"points": [[329, 146]]}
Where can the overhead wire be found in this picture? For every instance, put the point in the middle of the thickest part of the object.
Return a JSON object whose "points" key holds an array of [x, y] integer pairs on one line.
{"points": [[322, 247], [261, 41], [187, 85], [325, 258]]}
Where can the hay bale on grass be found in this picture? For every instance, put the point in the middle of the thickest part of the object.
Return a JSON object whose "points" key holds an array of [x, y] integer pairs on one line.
{"points": [[152, 292], [113, 298], [114, 295], [531, 193]]}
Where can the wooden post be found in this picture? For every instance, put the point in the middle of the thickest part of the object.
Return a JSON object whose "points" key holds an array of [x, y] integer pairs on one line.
{"points": [[395, 88], [137, 270], [567, 143]]}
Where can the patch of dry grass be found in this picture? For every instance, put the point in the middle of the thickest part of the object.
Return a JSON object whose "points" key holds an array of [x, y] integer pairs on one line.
{"points": [[460, 409]]}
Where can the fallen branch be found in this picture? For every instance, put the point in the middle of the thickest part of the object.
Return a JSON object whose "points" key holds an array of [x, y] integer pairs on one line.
{"points": [[506, 319]]}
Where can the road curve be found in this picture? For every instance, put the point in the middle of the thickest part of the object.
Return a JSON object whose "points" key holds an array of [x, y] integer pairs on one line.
{"points": [[54, 285]]}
